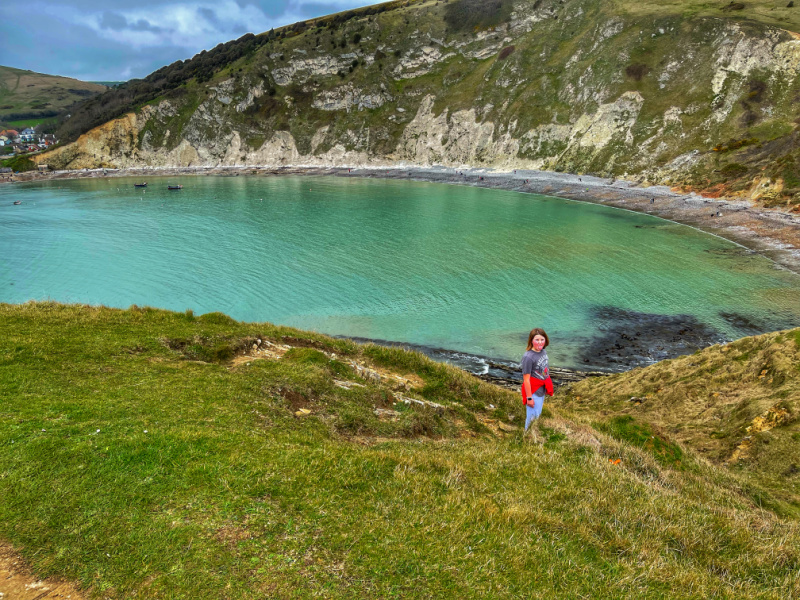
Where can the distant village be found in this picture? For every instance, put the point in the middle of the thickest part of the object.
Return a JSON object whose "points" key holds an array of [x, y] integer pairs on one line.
{"points": [[27, 140]]}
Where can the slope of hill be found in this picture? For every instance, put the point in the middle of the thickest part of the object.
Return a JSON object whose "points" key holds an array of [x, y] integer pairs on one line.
{"points": [[736, 404], [28, 95], [686, 93], [161, 455]]}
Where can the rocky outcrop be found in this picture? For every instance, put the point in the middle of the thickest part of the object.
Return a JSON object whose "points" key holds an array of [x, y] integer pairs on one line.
{"points": [[419, 62], [348, 97], [300, 70]]}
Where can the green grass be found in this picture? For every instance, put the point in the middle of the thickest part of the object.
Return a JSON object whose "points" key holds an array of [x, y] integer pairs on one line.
{"points": [[133, 468], [641, 435], [20, 125], [770, 12]]}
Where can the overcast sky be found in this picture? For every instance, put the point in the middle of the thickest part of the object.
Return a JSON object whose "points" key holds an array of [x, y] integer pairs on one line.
{"points": [[115, 40]]}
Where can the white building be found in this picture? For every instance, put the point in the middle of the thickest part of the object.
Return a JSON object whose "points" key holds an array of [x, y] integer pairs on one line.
{"points": [[28, 135]]}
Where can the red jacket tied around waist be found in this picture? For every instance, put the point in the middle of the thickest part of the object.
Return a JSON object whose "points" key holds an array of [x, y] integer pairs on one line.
{"points": [[536, 384]]}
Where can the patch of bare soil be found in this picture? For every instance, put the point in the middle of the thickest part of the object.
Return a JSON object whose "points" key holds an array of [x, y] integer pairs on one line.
{"points": [[265, 349], [18, 583]]}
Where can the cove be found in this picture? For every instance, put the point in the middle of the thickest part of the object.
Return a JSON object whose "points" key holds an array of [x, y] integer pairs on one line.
{"points": [[462, 268]]}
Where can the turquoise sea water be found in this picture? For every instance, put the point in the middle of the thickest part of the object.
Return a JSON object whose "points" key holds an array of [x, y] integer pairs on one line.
{"points": [[455, 267]]}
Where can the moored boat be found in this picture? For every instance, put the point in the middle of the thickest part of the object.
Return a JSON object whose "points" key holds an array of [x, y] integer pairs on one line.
{"points": [[17, 201], [174, 187], [144, 184]]}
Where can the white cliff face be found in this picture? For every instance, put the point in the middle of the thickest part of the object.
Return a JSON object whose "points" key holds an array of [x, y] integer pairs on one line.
{"points": [[739, 56], [224, 91], [348, 97], [431, 139], [546, 141], [613, 120], [252, 94], [670, 125], [461, 139]]}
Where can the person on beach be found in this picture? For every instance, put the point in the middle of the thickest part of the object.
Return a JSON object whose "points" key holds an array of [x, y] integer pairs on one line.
{"points": [[535, 375]]}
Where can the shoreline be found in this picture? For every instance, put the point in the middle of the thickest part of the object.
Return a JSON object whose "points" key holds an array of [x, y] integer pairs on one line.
{"points": [[503, 372], [772, 233]]}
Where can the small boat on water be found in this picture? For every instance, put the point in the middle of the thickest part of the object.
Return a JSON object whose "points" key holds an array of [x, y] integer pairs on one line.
{"points": [[17, 202], [174, 187], [140, 184]]}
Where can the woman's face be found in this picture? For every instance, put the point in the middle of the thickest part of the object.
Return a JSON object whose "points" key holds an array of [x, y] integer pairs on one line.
{"points": [[538, 342]]}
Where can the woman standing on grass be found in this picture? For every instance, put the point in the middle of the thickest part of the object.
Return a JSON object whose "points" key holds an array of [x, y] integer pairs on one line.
{"points": [[535, 375]]}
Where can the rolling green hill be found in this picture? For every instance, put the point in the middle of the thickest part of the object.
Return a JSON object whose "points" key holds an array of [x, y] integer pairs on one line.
{"points": [[162, 455], [26, 96], [687, 93]]}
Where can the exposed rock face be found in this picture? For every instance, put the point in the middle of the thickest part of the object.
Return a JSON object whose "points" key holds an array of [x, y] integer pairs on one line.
{"points": [[556, 86], [739, 55], [419, 62], [347, 98], [301, 70]]}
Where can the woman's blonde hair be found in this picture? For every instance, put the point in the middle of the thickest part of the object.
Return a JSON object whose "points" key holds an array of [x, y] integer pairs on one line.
{"points": [[533, 334]]}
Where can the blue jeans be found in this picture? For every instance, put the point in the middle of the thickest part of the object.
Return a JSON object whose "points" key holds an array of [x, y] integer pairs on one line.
{"points": [[534, 411]]}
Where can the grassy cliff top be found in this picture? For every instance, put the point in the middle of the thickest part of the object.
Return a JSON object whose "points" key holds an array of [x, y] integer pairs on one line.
{"points": [[163, 455], [782, 13]]}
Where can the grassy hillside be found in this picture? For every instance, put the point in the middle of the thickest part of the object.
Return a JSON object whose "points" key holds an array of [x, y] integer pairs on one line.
{"points": [[164, 455], [737, 405], [769, 12], [27, 96]]}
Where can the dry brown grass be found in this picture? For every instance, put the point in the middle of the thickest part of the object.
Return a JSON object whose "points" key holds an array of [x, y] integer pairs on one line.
{"points": [[736, 404]]}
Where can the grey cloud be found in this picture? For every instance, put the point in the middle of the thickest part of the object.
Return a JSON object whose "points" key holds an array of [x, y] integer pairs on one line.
{"points": [[210, 16], [118, 22], [79, 51], [92, 6], [113, 21], [142, 25]]}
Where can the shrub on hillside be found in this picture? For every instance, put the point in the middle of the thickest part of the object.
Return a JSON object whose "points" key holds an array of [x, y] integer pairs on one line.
{"points": [[749, 118], [464, 15], [733, 6], [732, 170], [756, 90], [637, 71], [32, 114], [506, 52]]}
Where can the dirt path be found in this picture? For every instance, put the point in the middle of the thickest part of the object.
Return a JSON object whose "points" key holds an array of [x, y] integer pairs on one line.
{"points": [[17, 582]]}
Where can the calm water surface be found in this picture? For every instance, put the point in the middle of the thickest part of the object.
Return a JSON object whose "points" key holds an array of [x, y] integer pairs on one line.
{"points": [[445, 266]]}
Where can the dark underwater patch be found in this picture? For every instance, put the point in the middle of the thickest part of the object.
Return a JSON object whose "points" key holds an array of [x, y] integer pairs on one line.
{"points": [[744, 324], [625, 338]]}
